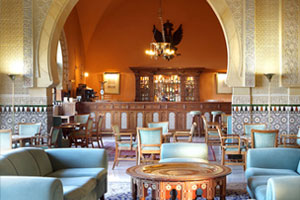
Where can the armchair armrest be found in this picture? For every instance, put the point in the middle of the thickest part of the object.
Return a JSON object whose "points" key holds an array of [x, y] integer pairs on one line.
{"points": [[64, 158], [30, 188], [285, 187]]}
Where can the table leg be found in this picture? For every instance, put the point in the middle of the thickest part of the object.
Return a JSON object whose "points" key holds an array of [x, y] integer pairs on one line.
{"points": [[223, 189], [134, 190]]}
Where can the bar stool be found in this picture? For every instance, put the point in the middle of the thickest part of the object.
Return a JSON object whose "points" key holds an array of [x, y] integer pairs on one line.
{"points": [[215, 113], [196, 115]]}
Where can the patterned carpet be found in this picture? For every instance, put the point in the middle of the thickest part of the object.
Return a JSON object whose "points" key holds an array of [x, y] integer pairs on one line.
{"points": [[122, 191]]}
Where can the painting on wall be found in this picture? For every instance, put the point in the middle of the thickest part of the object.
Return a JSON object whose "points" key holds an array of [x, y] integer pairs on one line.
{"points": [[112, 82], [222, 88]]}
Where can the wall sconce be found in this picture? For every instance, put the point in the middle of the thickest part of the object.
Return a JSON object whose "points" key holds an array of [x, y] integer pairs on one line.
{"points": [[269, 77], [86, 74]]}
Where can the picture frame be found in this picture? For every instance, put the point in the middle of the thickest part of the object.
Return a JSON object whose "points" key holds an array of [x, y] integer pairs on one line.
{"points": [[112, 82], [221, 86]]}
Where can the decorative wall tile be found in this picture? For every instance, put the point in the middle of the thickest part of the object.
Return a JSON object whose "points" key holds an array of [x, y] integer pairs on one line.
{"points": [[41, 115]]}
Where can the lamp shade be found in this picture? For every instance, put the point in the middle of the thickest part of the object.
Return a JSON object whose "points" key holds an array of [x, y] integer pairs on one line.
{"points": [[14, 67]]}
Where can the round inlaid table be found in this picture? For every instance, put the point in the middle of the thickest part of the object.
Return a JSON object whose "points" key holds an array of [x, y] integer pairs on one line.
{"points": [[182, 181]]}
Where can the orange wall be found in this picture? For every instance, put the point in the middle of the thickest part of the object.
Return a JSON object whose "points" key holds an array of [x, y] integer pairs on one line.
{"points": [[76, 55], [207, 88], [117, 38]]}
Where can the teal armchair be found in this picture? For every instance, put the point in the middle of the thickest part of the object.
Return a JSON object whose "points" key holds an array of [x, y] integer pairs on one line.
{"points": [[149, 142], [273, 173], [164, 125], [184, 152], [30, 129]]}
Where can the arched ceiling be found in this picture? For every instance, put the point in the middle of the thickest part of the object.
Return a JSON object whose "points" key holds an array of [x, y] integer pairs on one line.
{"points": [[115, 33]]}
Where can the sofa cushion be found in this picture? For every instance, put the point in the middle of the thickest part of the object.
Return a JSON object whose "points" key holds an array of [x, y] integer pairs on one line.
{"points": [[42, 160], [268, 172], [79, 172], [260, 192], [255, 181], [168, 160], [6, 167], [298, 168], [77, 187], [23, 162]]}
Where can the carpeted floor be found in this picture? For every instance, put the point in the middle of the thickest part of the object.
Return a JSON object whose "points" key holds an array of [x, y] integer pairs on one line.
{"points": [[122, 191]]}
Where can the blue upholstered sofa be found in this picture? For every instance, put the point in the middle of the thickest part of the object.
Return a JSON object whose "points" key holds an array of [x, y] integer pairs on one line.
{"points": [[273, 173], [53, 174], [183, 152]]}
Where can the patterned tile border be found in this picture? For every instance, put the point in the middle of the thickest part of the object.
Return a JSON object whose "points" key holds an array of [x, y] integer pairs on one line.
{"points": [[30, 114], [284, 118]]}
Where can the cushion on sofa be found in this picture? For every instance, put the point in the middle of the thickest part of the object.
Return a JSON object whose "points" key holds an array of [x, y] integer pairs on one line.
{"points": [[268, 172], [255, 181], [79, 172], [260, 192], [42, 160], [6, 167], [77, 187], [23, 162]]}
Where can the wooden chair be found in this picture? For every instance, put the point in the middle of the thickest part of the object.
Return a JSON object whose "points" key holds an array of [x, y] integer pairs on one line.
{"points": [[149, 142], [224, 119], [29, 129], [211, 132], [96, 134], [124, 142], [290, 141], [180, 136], [51, 139], [264, 138], [82, 136], [231, 145], [5, 140], [165, 129]]}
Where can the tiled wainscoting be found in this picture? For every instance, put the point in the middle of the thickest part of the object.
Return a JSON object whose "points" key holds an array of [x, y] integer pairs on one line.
{"points": [[26, 114], [284, 118]]}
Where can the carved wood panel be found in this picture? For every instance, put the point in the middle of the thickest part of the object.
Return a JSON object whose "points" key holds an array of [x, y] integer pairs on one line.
{"points": [[145, 111]]}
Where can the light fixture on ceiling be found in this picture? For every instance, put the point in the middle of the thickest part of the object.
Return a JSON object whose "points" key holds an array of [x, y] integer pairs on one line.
{"points": [[165, 41]]}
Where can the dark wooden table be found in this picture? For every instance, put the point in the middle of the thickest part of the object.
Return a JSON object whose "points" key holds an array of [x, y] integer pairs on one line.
{"points": [[178, 180]]}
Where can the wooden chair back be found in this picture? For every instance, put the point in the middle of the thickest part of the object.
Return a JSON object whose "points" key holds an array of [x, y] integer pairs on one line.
{"points": [[264, 138]]}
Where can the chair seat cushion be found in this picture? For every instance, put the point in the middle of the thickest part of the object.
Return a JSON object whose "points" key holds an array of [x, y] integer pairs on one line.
{"points": [[134, 145], [235, 149], [213, 133], [97, 173], [168, 160], [269, 172], [77, 187], [151, 148]]}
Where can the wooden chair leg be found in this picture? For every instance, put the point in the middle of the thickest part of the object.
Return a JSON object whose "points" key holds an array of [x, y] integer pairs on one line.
{"points": [[116, 158], [223, 156]]}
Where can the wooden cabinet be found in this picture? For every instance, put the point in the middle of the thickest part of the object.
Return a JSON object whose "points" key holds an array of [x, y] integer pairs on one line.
{"points": [[164, 84]]}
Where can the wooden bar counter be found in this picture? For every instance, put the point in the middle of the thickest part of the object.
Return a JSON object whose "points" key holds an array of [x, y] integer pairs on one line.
{"points": [[129, 115]]}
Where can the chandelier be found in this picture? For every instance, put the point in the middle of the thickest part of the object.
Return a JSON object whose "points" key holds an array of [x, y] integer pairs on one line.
{"points": [[165, 41]]}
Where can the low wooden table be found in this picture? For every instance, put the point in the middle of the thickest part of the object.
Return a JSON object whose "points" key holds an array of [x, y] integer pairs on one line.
{"points": [[180, 181]]}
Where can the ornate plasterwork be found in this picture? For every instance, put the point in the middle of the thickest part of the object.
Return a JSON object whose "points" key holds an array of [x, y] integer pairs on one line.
{"points": [[290, 43], [241, 99], [249, 43], [28, 42], [23, 99], [65, 54], [40, 10]]}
